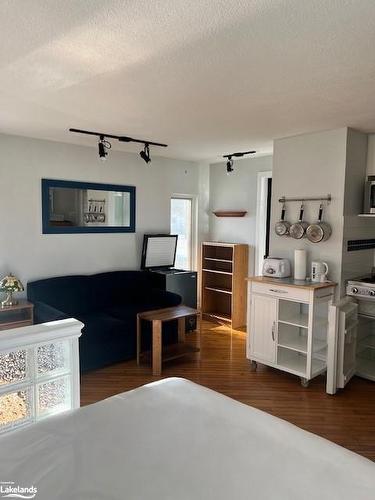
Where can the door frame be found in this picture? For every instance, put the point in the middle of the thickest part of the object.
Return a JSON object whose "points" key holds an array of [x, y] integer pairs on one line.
{"points": [[261, 219]]}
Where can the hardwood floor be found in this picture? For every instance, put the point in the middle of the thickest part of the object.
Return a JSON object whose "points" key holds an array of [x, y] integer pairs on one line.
{"points": [[348, 418]]}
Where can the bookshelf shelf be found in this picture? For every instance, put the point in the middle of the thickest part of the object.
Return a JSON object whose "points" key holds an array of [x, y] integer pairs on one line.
{"points": [[223, 285]]}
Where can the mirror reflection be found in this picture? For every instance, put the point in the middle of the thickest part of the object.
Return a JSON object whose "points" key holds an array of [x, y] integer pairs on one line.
{"points": [[87, 209]]}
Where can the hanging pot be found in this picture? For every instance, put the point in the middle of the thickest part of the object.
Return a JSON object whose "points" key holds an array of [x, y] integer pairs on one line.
{"points": [[320, 231], [298, 229], [282, 226]]}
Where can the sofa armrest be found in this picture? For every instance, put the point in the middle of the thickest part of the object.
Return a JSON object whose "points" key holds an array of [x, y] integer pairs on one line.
{"points": [[162, 298], [44, 313]]}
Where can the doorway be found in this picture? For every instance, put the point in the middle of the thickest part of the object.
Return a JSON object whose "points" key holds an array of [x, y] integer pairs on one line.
{"points": [[263, 219]]}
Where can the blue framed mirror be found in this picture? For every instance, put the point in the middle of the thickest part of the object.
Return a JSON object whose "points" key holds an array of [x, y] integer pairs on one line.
{"points": [[87, 207]]}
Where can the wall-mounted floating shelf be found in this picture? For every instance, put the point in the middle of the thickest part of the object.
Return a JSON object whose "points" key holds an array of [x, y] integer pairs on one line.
{"points": [[230, 213]]}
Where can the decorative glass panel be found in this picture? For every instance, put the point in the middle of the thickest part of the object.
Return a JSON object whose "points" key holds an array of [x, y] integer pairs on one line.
{"points": [[15, 409], [54, 396], [13, 367], [52, 358]]}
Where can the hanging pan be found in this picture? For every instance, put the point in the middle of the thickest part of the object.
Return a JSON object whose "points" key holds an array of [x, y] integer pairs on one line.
{"points": [[282, 226], [298, 229], [320, 231]]}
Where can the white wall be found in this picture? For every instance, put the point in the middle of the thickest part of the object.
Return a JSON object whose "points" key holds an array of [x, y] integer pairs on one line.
{"points": [[203, 215], [311, 165], [316, 164], [371, 155], [29, 254], [237, 191]]}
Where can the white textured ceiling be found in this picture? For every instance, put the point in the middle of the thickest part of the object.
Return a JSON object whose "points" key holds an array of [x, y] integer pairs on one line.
{"points": [[205, 76]]}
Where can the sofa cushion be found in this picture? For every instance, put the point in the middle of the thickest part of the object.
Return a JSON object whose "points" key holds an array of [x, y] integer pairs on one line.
{"points": [[153, 299], [105, 340], [129, 311], [68, 294], [101, 326], [118, 287]]}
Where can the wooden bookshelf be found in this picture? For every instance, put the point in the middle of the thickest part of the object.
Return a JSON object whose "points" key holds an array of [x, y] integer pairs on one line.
{"points": [[224, 269]]}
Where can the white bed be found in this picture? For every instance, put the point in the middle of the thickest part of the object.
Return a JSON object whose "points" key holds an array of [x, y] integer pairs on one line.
{"points": [[177, 440]]}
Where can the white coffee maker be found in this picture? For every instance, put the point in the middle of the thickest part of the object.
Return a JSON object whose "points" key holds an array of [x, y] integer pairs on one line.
{"points": [[319, 271]]}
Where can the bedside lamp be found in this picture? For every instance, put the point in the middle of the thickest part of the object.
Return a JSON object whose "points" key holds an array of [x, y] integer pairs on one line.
{"points": [[9, 285]]}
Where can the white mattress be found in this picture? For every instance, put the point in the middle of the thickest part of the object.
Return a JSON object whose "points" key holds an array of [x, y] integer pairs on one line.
{"points": [[177, 440]]}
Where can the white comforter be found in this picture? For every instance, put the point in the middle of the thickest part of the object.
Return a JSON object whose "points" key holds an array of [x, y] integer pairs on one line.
{"points": [[174, 440]]}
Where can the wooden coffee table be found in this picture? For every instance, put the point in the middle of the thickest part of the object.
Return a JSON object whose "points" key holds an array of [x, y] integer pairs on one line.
{"points": [[157, 317]]}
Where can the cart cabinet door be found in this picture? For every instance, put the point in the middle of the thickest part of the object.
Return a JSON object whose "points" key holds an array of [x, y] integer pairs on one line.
{"points": [[347, 344], [341, 363], [262, 334]]}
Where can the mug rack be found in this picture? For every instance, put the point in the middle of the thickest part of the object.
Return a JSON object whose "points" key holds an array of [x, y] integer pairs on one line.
{"points": [[327, 198], [316, 233]]}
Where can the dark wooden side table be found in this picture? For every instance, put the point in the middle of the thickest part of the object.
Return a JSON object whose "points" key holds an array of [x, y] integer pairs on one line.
{"points": [[157, 318], [21, 314]]}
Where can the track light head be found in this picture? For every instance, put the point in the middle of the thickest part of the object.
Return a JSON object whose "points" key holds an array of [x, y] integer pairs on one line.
{"points": [[230, 168], [145, 154], [103, 145], [229, 165]]}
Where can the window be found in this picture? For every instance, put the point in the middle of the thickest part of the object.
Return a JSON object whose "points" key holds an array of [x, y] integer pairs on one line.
{"points": [[181, 224]]}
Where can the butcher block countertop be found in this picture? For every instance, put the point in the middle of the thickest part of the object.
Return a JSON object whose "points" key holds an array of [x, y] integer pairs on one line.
{"points": [[306, 284]]}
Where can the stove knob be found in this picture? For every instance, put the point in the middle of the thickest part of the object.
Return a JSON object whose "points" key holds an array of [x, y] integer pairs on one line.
{"points": [[372, 293], [354, 290]]}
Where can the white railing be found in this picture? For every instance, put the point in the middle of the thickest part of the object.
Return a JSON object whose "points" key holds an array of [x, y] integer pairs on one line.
{"points": [[39, 372]]}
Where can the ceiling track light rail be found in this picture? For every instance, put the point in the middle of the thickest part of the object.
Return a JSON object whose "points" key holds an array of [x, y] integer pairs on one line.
{"points": [[229, 157], [104, 145]]}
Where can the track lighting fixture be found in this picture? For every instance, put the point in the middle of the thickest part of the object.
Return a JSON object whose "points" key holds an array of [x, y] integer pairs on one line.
{"points": [[230, 168], [145, 154], [229, 165], [103, 145]]}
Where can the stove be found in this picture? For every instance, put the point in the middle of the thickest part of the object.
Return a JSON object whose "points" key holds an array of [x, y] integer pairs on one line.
{"points": [[362, 288]]}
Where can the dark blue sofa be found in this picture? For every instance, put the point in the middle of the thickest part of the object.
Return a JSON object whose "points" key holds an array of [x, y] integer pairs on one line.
{"points": [[107, 304]]}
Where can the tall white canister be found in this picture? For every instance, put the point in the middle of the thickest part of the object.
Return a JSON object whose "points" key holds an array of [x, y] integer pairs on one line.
{"points": [[300, 264]]}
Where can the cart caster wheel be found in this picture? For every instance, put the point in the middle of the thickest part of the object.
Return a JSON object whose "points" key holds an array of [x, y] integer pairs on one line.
{"points": [[304, 382], [253, 366]]}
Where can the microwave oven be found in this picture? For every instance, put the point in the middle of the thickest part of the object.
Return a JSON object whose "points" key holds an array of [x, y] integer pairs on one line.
{"points": [[369, 200]]}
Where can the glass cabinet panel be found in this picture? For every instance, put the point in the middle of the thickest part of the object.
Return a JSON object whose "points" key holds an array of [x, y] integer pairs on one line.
{"points": [[15, 408], [53, 396], [53, 358], [13, 367]]}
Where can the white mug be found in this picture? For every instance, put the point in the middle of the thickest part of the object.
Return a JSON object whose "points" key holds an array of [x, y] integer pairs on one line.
{"points": [[319, 271]]}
